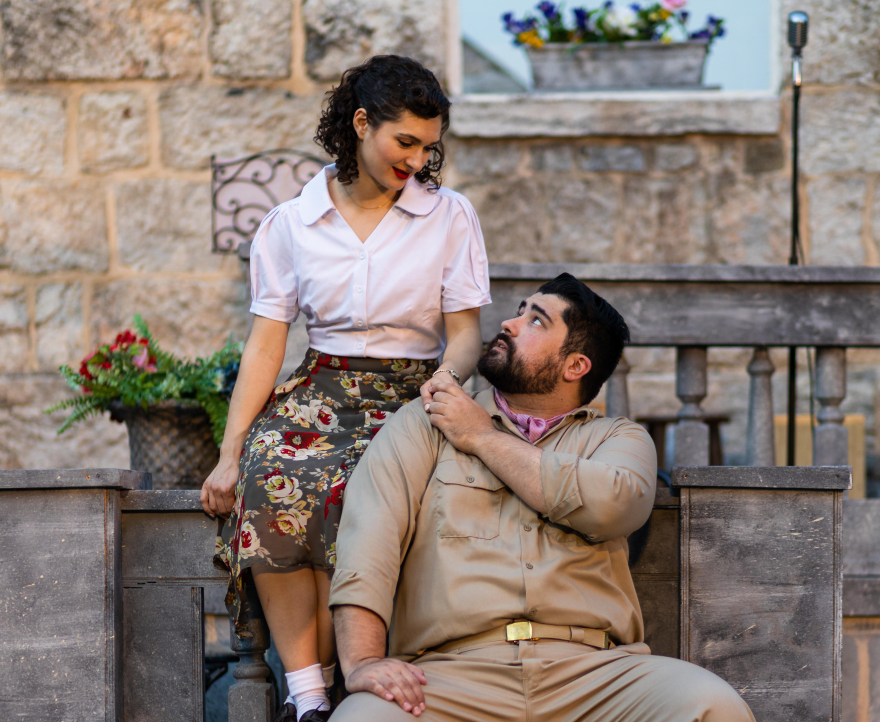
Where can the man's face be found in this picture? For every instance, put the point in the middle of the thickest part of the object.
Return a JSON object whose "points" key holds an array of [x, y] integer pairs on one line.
{"points": [[525, 358]]}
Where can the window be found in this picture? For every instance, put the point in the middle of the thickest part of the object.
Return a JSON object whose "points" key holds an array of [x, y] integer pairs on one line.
{"points": [[745, 59]]}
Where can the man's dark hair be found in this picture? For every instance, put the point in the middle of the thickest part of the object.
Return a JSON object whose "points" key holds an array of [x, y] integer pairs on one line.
{"points": [[385, 86], [595, 329]]}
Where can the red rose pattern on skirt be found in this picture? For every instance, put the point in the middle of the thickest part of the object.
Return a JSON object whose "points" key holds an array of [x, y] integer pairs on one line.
{"points": [[298, 457]]}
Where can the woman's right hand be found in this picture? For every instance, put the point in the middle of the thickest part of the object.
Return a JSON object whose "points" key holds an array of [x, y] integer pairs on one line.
{"points": [[218, 491]]}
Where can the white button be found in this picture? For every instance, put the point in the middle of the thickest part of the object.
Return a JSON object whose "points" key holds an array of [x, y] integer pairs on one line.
{"points": [[360, 345], [363, 255], [360, 323], [359, 289]]}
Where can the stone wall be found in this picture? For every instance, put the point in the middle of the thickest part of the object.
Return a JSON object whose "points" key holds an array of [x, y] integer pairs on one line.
{"points": [[110, 114]]}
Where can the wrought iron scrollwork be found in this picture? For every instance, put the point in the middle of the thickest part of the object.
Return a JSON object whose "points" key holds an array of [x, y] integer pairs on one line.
{"points": [[246, 189]]}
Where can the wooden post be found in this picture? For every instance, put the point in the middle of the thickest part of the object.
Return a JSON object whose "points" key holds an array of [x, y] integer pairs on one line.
{"points": [[691, 434], [252, 697], [617, 391], [830, 439], [761, 584], [760, 445]]}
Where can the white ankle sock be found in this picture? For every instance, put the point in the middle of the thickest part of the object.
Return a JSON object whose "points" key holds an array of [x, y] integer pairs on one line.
{"points": [[307, 691], [329, 673]]}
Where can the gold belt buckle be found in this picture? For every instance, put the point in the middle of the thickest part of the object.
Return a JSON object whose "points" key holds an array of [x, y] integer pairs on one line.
{"points": [[519, 631]]}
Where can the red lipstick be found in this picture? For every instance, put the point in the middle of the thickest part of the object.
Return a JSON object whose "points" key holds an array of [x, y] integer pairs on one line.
{"points": [[400, 174]]}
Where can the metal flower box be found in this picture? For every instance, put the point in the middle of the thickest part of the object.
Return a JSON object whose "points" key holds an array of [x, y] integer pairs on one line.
{"points": [[619, 66]]}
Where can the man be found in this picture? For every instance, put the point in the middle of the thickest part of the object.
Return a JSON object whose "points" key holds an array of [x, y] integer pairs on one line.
{"points": [[488, 537]]}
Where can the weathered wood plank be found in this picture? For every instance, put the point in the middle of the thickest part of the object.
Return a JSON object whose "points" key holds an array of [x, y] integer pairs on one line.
{"points": [[163, 654], [169, 546], [60, 598], [761, 596], [764, 477], [156, 500], [861, 596], [674, 307], [11, 479], [861, 537]]}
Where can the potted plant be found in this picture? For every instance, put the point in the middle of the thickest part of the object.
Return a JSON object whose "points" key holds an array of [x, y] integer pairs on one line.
{"points": [[175, 409], [636, 47]]}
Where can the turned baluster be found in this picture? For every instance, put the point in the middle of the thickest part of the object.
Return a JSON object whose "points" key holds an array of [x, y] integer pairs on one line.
{"points": [[252, 697], [691, 434], [617, 391], [830, 438], [760, 444]]}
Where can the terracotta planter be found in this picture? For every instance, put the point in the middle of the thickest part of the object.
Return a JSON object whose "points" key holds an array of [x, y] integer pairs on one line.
{"points": [[172, 440], [618, 66]]}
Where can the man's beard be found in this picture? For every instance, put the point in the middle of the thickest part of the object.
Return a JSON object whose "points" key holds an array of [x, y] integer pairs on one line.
{"points": [[505, 370]]}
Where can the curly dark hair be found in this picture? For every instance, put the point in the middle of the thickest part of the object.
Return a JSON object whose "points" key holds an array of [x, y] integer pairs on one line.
{"points": [[384, 86]]}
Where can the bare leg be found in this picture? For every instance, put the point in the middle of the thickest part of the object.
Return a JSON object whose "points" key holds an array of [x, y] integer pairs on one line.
{"points": [[295, 605]]}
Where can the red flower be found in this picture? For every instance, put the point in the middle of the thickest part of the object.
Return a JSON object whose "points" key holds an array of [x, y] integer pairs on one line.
{"points": [[144, 342], [334, 362], [125, 338], [274, 472], [375, 430], [277, 527], [300, 439], [114, 347], [335, 498], [106, 365]]}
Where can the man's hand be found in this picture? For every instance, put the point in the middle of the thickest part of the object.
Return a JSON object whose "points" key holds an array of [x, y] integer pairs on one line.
{"points": [[461, 419], [390, 679]]}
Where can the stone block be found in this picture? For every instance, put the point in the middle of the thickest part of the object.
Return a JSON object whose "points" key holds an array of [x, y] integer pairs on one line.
{"points": [[112, 131], [28, 438], [485, 158], [763, 156], [836, 209], [250, 38], [187, 317], [665, 221], [198, 122], [552, 158], [582, 217], [513, 219], [344, 33], [162, 225], [840, 132], [49, 226], [34, 127], [13, 328], [87, 40], [598, 158], [673, 157], [59, 323], [843, 40]]}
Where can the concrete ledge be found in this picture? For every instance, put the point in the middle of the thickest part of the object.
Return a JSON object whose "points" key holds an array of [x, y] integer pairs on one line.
{"points": [[21, 479], [171, 500], [811, 478], [658, 113]]}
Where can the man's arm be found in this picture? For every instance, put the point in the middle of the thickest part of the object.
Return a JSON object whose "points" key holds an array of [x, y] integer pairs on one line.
{"points": [[604, 497], [360, 636]]}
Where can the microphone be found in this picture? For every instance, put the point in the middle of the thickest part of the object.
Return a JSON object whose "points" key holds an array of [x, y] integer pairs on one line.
{"points": [[798, 22]]}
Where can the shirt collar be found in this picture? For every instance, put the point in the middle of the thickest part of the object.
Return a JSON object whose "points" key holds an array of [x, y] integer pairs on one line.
{"points": [[315, 202], [486, 399]]}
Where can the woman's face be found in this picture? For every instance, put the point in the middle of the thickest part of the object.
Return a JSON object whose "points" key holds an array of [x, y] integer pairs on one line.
{"points": [[396, 149]]}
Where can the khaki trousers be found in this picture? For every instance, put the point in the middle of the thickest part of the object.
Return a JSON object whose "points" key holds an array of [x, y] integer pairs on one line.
{"points": [[550, 681]]}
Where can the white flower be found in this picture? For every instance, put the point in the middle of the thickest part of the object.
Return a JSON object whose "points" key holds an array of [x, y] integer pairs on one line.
{"points": [[264, 440], [623, 20]]}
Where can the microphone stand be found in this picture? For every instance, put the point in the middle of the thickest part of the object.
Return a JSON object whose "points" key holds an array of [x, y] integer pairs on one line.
{"points": [[795, 243]]}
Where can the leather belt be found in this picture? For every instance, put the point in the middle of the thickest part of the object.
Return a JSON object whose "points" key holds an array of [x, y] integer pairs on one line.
{"points": [[522, 631]]}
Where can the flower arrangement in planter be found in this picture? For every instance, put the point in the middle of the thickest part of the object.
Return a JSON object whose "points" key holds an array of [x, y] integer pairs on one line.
{"points": [[175, 409], [610, 47]]}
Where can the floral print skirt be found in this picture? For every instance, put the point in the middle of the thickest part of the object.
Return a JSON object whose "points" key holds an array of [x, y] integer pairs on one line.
{"points": [[298, 457]]}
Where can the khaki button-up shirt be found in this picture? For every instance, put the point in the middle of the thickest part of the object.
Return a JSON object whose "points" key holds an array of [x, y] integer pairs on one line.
{"points": [[440, 548]]}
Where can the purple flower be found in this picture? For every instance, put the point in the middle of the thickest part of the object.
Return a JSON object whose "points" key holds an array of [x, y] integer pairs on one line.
{"points": [[549, 10], [608, 4], [581, 19], [635, 7], [684, 14]]}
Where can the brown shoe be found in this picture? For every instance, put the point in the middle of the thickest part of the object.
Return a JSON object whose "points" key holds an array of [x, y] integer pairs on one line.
{"points": [[286, 714]]}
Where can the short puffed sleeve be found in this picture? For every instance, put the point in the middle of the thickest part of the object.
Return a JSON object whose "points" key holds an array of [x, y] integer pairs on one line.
{"points": [[273, 269], [466, 270]]}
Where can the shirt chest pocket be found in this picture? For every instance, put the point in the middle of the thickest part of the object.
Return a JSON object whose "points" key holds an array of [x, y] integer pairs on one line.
{"points": [[468, 499]]}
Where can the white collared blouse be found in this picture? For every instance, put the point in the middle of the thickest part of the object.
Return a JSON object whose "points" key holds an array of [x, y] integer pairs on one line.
{"points": [[383, 298]]}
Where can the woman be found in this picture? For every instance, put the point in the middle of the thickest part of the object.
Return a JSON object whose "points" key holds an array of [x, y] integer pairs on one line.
{"points": [[389, 268]]}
